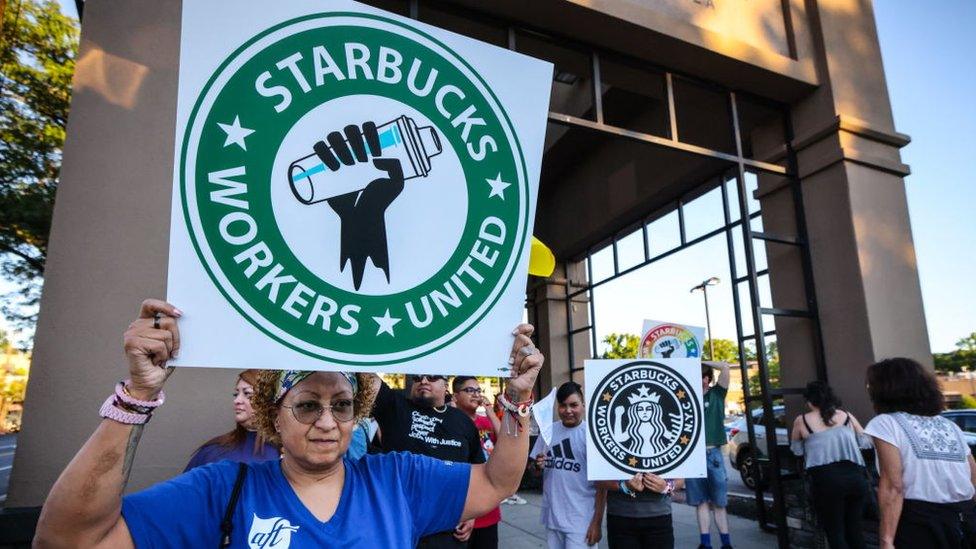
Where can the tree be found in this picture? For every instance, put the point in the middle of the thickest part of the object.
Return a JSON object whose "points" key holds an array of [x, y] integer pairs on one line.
{"points": [[621, 345], [968, 343], [967, 402], [955, 361], [772, 365], [725, 350], [14, 390], [37, 61], [951, 362]]}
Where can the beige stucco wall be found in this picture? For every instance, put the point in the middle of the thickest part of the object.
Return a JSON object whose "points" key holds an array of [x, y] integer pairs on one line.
{"points": [[108, 251], [739, 43], [759, 23], [861, 244]]}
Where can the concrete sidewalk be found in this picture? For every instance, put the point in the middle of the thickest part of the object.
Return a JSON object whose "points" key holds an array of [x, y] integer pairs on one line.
{"points": [[520, 528]]}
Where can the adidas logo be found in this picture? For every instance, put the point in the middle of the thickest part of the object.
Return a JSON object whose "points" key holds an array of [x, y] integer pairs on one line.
{"points": [[561, 457]]}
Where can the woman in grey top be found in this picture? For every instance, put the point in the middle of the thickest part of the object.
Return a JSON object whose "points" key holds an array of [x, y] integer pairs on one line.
{"points": [[639, 511], [830, 441]]}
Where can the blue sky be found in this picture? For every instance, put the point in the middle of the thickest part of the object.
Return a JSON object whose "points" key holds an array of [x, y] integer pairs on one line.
{"points": [[928, 58], [927, 51]]}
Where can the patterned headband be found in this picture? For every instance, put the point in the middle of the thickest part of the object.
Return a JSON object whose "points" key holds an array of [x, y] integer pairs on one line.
{"points": [[289, 378]]}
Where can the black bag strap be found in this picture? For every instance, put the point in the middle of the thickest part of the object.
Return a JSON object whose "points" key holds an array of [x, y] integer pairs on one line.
{"points": [[227, 525], [807, 425]]}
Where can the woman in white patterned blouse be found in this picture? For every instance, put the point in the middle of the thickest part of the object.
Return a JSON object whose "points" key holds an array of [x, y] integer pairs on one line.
{"points": [[927, 470]]}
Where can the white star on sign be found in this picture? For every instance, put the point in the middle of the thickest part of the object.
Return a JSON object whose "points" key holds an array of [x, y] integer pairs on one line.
{"points": [[235, 133], [497, 186], [386, 323]]}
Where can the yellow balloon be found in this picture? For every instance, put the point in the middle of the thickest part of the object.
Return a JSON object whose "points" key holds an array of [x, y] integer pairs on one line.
{"points": [[542, 262]]}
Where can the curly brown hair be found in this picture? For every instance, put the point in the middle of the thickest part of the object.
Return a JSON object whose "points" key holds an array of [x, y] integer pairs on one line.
{"points": [[266, 409], [904, 385]]}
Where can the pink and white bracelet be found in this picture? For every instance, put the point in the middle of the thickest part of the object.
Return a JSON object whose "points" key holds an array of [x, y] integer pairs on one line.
{"points": [[122, 392], [125, 408], [109, 410]]}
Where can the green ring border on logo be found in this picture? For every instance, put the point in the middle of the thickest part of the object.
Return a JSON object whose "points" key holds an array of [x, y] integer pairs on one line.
{"points": [[504, 117], [591, 419]]}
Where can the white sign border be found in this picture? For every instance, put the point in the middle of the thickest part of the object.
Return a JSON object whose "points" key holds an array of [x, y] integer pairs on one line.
{"points": [[237, 301]]}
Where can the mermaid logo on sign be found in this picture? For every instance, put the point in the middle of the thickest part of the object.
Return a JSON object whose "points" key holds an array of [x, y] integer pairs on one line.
{"points": [[644, 416], [354, 188], [666, 340]]}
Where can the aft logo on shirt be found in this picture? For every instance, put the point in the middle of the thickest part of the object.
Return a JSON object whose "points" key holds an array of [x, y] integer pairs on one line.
{"points": [[274, 532], [561, 457]]}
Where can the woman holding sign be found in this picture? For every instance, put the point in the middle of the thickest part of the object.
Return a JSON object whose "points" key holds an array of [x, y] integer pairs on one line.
{"points": [[639, 511], [312, 497]]}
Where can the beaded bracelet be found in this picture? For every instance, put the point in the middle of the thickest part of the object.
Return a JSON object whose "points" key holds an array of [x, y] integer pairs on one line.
{"points": [[125, 408], [111, 410], [143, 406], [521, 409], [515, 411]]}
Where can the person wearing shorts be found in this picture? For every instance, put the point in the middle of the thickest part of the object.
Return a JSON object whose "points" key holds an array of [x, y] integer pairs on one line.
{"points": [[710, 494]]}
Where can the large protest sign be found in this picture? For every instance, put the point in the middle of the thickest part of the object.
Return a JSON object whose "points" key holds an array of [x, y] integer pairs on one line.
{"points": [[353, 190], [644, 416], [670, 340]]}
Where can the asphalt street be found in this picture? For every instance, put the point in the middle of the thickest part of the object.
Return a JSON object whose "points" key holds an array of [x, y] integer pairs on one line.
{"points": [[521, 527], [736, 486], [8, 443]]}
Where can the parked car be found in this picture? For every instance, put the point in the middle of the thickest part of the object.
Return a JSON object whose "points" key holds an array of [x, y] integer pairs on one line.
{"points": [[730, 423], [739, 455], [966, 420]]}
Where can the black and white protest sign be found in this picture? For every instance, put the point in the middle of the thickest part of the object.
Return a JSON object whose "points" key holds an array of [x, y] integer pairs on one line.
{"points": [[644, 416]]}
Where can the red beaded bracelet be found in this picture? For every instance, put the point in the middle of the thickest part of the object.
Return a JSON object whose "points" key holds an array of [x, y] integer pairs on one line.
{"points": [[520, 409]]}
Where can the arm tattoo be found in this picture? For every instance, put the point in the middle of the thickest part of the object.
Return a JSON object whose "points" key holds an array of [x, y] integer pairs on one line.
{"points": [[130, 452], [134, 436]]}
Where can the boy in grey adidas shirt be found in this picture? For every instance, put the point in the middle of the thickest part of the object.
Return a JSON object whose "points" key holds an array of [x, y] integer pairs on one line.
{"points": [[572, 507]]}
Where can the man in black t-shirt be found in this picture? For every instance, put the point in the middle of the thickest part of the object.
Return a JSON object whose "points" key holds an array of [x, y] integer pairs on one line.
{"points": [[425, 424]]}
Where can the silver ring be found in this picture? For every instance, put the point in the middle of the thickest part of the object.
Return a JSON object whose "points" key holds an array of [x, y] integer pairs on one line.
{"points": [[527, 350], [156, 321]]}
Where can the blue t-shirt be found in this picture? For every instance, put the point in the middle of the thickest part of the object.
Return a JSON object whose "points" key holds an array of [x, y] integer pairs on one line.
{"points": [[243, 452], [388, 500]]}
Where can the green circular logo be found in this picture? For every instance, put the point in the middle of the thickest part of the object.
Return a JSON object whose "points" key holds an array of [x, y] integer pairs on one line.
{"points": [[354, 188]]}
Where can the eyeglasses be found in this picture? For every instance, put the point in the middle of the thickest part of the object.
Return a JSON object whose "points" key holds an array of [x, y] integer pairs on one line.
{"points": [[472, 390], [309, 411], [430, 378]]}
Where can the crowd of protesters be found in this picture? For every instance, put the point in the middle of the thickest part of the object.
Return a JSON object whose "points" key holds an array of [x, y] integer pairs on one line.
{"points": [[314, 493], [344, 459]]}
